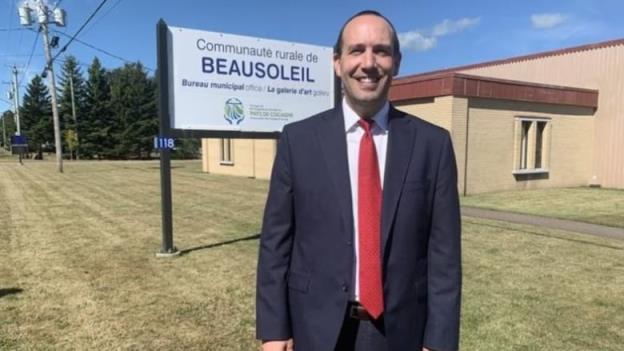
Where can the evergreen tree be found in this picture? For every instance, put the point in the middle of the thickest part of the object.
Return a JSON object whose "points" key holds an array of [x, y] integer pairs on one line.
{"points": [[133, 104], [186, 148], [71, 76], [97, 122], [7, 127], [36, 117]]}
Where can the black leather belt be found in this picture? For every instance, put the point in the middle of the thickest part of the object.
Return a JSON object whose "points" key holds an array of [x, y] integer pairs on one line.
{"points": [[357, 311]]}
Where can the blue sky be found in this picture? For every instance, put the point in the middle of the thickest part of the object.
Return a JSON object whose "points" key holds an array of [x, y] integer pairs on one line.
{"points": [[434, 34]]}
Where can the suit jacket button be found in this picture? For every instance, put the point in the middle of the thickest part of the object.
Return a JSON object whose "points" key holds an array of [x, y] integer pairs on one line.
{"points": [[345, 288]]}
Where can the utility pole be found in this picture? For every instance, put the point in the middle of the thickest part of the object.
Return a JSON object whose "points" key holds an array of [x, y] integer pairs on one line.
{"points": [[14, 97], [4, 140], [4, 134], [71, 88], [18, 130], [16, 102], [43, 18], [43, 14]]}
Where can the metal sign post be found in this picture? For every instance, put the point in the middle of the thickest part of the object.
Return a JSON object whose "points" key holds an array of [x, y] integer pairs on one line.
{"points": [[167, 249]]}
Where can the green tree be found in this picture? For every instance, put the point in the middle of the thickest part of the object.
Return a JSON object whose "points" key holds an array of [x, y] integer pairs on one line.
{"points": [[133, 103], [36, 116], [97, 122], [7, 127], [186, 148], [71, 139], [71, 77]]}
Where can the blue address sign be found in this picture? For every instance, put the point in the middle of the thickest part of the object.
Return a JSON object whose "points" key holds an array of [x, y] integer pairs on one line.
{"points": [[163, 143]]}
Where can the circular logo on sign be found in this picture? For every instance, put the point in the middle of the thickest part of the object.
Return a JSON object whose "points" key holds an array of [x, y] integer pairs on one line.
{"points": [[234, 111]]}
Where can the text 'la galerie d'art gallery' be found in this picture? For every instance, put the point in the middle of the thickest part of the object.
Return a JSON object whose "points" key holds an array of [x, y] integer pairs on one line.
{"points": [[550, 119]]}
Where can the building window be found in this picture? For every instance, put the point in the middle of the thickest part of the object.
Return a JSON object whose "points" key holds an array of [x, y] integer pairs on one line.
{"points": [[226, 151], [539, 141], [532, 145], [524, 144]]}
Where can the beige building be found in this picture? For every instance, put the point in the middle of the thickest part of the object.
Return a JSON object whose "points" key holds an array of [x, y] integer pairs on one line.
{"points": [[240, 157], [546, 120]]}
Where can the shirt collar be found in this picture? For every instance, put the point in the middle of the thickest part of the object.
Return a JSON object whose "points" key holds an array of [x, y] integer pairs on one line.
{"points": [[351, 118]]}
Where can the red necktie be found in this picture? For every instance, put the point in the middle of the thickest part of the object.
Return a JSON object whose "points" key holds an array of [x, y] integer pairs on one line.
{"points": [[369, 223]]}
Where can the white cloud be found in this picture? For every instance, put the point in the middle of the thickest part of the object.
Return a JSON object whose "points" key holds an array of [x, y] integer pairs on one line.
{"points": [[547, 20], [422, 40], [448, 27], [416, 41]]}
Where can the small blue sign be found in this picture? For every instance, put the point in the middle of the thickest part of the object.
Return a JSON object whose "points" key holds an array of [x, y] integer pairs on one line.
{"points": [[163, 143], [18, 140]]}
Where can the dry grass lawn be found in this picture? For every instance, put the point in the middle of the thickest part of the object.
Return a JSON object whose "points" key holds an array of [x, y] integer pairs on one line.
{"points": [[78, 271], [591, 205]]}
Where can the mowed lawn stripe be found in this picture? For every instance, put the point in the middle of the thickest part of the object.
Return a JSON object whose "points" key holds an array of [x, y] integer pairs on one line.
{"points": [[527, 288], [88, 247], [40, 265], [111, 247]]}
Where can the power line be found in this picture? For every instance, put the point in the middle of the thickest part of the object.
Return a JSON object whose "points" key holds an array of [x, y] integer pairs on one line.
{"points": [[101, 50], [30, 57], [104, 15], [9, 22], [11, 29], [17, 55], [79, 30]]}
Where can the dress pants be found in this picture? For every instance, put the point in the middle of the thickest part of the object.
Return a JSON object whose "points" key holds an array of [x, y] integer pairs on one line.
{"points": [[362, 335]]}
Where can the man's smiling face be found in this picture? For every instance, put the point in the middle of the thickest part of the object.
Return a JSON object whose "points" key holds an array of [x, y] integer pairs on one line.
{"points": [[366, 63]]}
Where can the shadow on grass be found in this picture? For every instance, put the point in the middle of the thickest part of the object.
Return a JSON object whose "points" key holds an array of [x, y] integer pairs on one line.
{"points": [[10, 291], [550, 236], [223, 243]]}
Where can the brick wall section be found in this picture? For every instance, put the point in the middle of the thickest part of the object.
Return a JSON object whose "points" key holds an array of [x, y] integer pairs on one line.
{"points": [[206, 155], [435, 110], [449, 113], [265, 155], [251, 157], [491, 145], [458, 134]]}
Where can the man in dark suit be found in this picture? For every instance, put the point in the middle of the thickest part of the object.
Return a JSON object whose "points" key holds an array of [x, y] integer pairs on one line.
{"points": [[360, 244]]}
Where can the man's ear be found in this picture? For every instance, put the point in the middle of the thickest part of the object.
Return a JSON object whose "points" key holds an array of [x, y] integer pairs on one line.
{"points": [[337, 69], [397, 64]]}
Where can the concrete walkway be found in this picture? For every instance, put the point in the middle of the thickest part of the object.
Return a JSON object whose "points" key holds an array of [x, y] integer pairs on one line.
{"points": [[554, 223]]}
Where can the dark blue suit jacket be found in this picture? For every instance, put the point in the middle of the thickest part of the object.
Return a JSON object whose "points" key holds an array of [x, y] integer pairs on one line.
{"points": [[306, 259]]}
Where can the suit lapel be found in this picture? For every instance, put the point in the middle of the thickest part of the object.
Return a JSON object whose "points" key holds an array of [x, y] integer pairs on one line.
{"points": [[331, 136], [398, 155]]}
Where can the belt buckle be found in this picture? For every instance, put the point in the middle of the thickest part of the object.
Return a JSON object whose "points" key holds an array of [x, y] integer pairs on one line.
{"points": [[357, 311]]}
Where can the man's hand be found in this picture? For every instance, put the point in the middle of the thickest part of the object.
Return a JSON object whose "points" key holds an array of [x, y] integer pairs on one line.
{"points": [[278, 345], [425, 349]]}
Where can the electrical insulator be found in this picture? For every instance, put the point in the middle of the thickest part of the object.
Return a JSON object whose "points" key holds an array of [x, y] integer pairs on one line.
{"points": [[25, 15], [59, 17]]}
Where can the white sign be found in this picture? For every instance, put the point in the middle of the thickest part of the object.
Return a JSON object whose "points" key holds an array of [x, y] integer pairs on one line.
{"points": [[222, 81]]}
